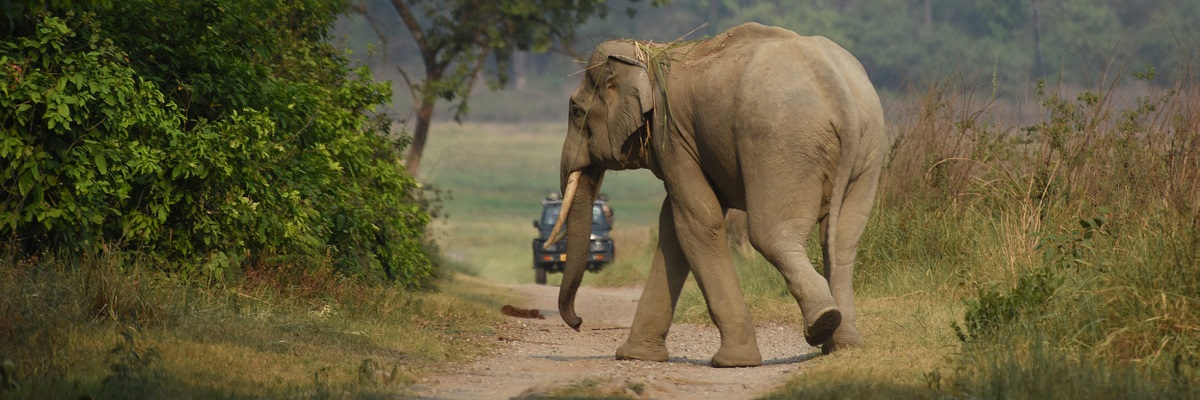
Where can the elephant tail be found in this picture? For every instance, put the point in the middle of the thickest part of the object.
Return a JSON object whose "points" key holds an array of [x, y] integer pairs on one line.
{"points": [[854, 186], [841, 185]]}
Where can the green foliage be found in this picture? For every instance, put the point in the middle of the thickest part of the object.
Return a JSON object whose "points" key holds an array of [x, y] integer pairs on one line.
{"points": [[207, 135], [82, 141], [1074, 249], [13, 10], [992, 312]]}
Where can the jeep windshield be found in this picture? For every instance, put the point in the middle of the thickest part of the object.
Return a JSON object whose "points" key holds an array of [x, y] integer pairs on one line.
{"points": [[552, 210]]}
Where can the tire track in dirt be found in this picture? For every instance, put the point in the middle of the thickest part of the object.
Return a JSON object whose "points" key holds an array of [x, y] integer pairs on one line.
{"points": [[537, 356]]}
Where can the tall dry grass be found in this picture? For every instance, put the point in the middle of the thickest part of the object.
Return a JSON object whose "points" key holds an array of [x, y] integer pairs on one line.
{"points": [[1072, 237]]}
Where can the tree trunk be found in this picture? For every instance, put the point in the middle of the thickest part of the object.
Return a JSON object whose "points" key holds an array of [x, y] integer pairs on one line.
{"points": [[1039, 68], [520, 70], [925, 29], [424, 112], [420, 134], [928, 13]]}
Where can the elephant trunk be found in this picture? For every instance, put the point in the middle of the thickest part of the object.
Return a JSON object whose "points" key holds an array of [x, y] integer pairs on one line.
{"points": [[577, 204]]}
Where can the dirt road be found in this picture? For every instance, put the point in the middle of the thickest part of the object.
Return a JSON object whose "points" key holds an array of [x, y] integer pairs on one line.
{"points": [[544, 356]]}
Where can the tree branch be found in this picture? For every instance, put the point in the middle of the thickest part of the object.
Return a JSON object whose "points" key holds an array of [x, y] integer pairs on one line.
{"points": [[471, 82], [428, 53], [412, 89]]}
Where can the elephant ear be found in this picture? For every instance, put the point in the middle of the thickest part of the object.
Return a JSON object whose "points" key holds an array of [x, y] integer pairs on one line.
{"points": [[632, 98], [641, 81]]}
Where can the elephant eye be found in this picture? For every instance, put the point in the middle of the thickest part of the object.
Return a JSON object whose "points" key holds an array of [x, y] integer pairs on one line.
{"points": [[577, 112]]}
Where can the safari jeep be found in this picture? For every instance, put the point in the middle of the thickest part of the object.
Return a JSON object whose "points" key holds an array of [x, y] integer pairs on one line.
{"points": [[553, 258]]}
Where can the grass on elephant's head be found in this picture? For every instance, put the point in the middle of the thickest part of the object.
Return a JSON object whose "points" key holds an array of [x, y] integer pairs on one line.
{"points": [[115, 327]]}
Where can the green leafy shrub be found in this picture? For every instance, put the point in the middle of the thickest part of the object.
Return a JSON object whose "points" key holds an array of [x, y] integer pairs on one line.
{"points": [[208, 136], [992, 310]]}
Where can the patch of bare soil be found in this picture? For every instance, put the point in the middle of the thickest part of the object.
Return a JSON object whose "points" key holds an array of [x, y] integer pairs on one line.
{"points": [[540, 357]]}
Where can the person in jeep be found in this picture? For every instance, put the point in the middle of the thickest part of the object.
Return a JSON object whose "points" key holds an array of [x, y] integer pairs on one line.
{"points": [[553, 258]]}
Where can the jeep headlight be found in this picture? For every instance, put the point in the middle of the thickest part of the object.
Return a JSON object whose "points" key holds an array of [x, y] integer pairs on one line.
{"points": [[552, 247], [597, 245]]}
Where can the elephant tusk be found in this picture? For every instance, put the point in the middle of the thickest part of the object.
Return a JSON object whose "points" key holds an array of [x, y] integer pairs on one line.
{"points": [[557, 233]]}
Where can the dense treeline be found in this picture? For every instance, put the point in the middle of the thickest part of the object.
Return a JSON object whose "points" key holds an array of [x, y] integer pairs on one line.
{"points": [[1006, 45], [918, 41], [202, 136]]}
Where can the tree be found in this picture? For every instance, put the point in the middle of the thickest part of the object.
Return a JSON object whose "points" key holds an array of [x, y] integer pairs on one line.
{"points": [[457, 38]]}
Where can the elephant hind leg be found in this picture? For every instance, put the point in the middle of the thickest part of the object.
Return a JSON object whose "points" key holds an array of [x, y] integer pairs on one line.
{"points": [[779, 228], [852, 223], [822, 329]]}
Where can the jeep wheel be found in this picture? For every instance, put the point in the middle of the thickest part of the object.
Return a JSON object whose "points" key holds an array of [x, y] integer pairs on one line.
{"points": [[539, 275]]}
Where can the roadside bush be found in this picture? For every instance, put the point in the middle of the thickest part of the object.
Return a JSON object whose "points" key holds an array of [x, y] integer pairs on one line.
{"points": [[207, 136]]}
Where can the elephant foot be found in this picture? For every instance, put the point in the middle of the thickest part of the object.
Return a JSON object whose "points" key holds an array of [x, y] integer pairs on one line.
{"points": [[635, 351], [846, 337], [822, 328], [737, 356]]}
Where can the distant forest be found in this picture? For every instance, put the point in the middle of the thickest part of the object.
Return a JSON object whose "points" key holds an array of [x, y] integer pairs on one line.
{"points": [[900, 42]]}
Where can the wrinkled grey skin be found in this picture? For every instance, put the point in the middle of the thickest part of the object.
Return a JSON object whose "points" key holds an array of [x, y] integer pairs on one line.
{"points": [[785, 127]]}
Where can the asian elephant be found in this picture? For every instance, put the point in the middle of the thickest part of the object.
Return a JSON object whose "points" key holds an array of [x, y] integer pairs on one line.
{"points": [[785, 127]]}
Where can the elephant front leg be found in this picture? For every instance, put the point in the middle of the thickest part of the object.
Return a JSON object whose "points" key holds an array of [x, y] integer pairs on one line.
{"points": [[656, 309], [699, 229]]}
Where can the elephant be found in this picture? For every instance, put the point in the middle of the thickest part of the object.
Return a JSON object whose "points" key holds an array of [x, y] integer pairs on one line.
{"points": [[786, 127]]}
